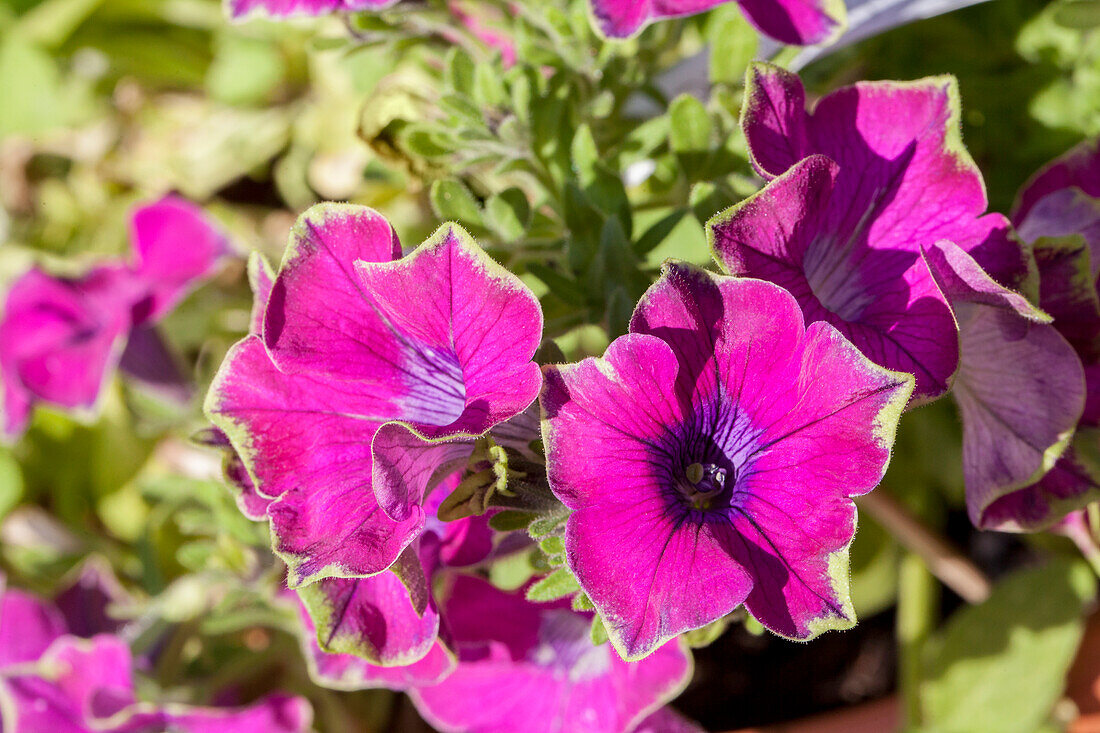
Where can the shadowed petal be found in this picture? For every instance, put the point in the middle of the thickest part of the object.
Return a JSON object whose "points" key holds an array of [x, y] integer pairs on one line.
{"points": [[797, 22], [1069, 485], [374, 618], [407, 465], [354, 672], [1020, 387], [540, 673]]}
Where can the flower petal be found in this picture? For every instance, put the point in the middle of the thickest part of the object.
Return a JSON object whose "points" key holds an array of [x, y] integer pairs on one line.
{"points": [[175, 244], [1020, 386], [540, 672], [319, 317], [374, 618], [600, 463], [469, 329], [774, 119], [305, 440], [1069, 485], [354, 672], [407, 465], [60, 339], [797, 22], [27, 626]]}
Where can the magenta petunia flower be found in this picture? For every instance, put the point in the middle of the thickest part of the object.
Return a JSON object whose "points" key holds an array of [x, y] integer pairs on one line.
{"points": [[51, 680], [61, 338], [864, 185], [872, 174], [710, 458], [87, 685], [355, 337], [532, 668], [797, 22]]}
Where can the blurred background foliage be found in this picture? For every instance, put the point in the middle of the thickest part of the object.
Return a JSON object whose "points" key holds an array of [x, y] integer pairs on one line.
{"points": [[580, 170]]}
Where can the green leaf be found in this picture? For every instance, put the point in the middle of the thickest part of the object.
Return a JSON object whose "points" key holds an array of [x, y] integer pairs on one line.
{"points": [[552, 545], [508, 214], [658, 232], [581, 602], [11, 482], [489, 89], [585, 156], [1077, 14], [707, 635], [599, 631], [1001, 666], [510, 521], [689, 125], [35, 100], [451, 200], [545, 525], [557, 584], [733, 44], [245, 70], [460, 71]]}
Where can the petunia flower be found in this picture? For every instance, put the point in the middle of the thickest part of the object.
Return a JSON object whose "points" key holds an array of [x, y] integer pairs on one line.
{"points": [[473, 18], [438, 343], [710, 458], [873, 173], [1059, 214], [61, 338], [52, 680], [797, 22], [86, 685], [873, 213], [384, 631], [532, 668]]}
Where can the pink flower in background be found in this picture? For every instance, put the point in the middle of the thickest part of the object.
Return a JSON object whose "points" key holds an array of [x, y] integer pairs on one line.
{"points": [[61, 338], [242, 9], [52, 680], [797, 22], [710, 458]]}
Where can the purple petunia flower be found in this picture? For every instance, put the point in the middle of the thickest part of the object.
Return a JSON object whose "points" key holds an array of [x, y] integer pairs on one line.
{"points": [[435, 346], [872, 174], [710, 458], [61, 338], [1059, 213], [873, 220], [51, 680], [797, 22], [532, 668]]}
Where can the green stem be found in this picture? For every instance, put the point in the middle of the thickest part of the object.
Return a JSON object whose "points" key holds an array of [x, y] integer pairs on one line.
{"points": [[918, 600]]}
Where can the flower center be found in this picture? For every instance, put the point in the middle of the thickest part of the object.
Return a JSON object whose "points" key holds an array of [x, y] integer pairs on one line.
{"points": [[703, 482]]}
